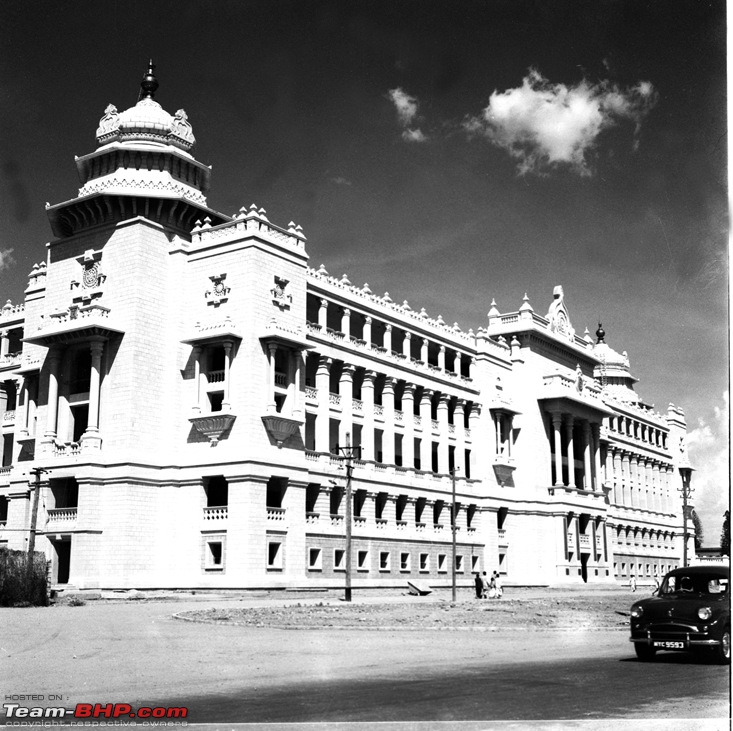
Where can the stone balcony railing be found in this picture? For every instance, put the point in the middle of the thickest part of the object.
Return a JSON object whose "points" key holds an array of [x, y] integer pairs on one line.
{"points": [[220, 512], [68, 449], [277, 514], [584, 541], [62, 515], [215, 376], [9, 418]]}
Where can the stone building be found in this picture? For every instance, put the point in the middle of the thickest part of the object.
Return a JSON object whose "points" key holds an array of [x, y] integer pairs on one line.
{"points": [[188, 383]]}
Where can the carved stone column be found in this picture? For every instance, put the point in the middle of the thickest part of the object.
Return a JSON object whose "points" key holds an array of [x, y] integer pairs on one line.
{"points": [[556, 425], [197, 379], [596, 448], [388, 436], [54, 361], [406, 345], [443, 446], [426, 443], [323, 315], [408, 439], [424, 351], [571, 451], [346, 390], [226, 404], [387, 339], [368, 331], [367, 432], [346, 322], [271, 403], [441, 357], [322, 431], [91, 438]]}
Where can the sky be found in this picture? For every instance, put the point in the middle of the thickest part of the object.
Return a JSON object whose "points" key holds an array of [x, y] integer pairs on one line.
{"points": [[447, 152]]}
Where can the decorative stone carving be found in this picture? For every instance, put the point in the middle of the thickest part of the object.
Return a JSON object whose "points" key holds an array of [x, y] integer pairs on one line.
{"points": [[92, 277], [557, 316], [219, 292], [110, 122], [279, 296]]}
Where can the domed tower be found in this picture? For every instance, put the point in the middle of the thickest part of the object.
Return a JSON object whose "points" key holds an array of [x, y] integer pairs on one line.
{"points": [[614, 372], [142, 166]]}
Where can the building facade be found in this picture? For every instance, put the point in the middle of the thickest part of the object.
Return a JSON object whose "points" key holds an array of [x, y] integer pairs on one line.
{"points": [[188, 383]]}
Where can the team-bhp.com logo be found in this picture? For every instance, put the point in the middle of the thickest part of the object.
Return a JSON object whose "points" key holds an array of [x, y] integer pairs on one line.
{"points": [[92, 711]]}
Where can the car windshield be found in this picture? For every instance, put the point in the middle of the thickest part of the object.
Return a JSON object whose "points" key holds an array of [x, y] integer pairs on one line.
{"points": [[694, 584]]}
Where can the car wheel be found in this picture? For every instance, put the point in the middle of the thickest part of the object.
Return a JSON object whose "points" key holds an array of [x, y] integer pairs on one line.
{"points": [[645, 653], [722, 651]]}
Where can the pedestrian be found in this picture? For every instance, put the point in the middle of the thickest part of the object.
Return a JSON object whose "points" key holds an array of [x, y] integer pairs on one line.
{"points": [[485, 586], [656, 582], [498, 585], [632, 582], [479, 585]]}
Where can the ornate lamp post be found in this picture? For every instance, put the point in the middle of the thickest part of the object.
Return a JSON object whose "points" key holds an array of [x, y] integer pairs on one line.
{"points": [[348, 453], [686, 490]]}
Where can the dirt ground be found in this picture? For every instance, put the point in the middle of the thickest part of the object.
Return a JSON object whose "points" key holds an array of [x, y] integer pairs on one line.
{"points": [[519, 609]]}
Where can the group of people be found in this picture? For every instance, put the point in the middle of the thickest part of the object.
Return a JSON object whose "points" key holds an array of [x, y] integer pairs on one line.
{"points": [[488, 588]]}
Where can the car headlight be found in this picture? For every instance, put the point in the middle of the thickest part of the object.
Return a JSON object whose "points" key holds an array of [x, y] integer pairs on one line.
{"points": [[637, 612], [704, 613]]}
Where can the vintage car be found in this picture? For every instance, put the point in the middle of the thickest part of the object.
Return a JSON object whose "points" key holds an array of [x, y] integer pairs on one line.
{"points": [[689, 611]]}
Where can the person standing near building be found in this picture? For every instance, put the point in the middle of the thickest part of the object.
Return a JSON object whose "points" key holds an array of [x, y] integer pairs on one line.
{"points": [[498, 585], [479, 585], [632, 583], [485, 586]]}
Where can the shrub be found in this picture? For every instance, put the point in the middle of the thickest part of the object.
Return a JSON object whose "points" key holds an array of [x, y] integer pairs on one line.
{"points": [[17, 588]]}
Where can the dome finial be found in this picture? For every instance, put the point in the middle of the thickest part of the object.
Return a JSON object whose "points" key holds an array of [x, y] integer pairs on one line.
{"points": [[149, 84], [600, 334]]}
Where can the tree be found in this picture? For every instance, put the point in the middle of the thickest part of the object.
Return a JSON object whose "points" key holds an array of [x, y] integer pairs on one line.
{"points": [[725, 535], [698, 529]]}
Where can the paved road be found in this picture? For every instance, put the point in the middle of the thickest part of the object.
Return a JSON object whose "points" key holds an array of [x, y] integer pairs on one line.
{"points": [[136, 653]]}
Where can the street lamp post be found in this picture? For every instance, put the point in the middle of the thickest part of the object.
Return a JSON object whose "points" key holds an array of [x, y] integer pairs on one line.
{"points": [[686, 490], [453, 530], [37, 472], [348, 455]]}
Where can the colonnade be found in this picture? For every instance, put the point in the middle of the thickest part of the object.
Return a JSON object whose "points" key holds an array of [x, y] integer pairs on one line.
{"points": [[54, 360], [639, 481], [412, 426], [576, 452]]}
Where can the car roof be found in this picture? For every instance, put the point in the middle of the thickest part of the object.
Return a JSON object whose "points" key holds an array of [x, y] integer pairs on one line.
{"points": [[715, 570]]}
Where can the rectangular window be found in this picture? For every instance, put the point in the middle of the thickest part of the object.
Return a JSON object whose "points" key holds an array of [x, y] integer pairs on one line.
{"points": [[442, 563], [424, 562], [274, 556], [475, 563], [459, 563], [339, 560], [315, 559], [362, 560], [214, 553], [404, 562], [384, 560]]}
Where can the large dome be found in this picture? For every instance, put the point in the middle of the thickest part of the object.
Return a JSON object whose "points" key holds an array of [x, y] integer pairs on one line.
{"points": [[147, 121]]}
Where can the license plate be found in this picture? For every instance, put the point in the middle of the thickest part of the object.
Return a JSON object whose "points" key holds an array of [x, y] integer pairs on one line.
{"points": [[670, 645]]}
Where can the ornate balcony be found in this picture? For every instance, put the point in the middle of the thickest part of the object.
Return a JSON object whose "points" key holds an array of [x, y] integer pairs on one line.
{"points": [[216, 513], [62, 515], [213, 426]]}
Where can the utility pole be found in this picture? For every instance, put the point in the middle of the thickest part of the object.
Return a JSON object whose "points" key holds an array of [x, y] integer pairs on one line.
{"points": [[348, 455], [453, 529], [686, 490], [37, 471]]}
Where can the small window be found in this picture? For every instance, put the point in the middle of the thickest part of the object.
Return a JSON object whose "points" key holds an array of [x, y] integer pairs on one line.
{"points": [[216, 399], [475, 563], [442, 563], [424, 562], [459, 564], [339, 562], [404, 562], [214, 554], [274, 556], [362, 560], [314, 559], [384, 560]]}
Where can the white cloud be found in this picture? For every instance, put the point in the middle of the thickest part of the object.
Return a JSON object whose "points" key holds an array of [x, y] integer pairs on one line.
{"points": [[6, 258], [406, 107], [545, 125], [708, 447]]}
